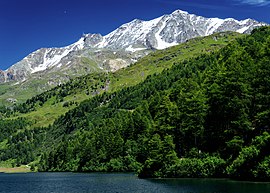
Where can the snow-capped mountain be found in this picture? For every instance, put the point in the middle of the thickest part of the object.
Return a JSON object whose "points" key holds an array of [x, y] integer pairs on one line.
{"points": [[169, 30], [40, 60], [125, 44]]}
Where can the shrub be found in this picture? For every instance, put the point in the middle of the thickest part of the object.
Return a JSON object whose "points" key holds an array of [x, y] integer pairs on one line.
{"points": [[200, 168]]}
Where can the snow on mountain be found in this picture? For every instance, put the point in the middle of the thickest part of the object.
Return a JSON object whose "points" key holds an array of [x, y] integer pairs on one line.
{"points": [[162, 44], [53, 56], [213, 25], [169, 30], [135, 36]]}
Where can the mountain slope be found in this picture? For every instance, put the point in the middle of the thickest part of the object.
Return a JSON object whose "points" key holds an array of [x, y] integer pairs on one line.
{"points": [[46, 107], [33, 117], [38, 82], [206, 116]]}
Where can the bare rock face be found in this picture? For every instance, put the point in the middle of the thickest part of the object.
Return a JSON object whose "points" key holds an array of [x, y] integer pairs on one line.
{"points": [[122, 46], [90, 40]]}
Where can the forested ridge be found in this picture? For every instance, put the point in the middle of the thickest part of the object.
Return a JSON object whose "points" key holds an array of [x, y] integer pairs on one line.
{"points": [[204, 117]]}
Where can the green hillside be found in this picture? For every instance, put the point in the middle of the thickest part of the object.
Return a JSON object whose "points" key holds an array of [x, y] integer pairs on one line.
{"points": [[172, 114], [162, 59], [87, 61], [204, 117]]}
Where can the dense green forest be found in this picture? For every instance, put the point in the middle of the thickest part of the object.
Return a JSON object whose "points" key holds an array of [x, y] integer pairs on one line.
{"points": [[206, 116]]}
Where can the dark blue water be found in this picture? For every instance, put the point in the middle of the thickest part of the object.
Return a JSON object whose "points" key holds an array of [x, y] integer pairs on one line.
{"points": [[118, 183]]}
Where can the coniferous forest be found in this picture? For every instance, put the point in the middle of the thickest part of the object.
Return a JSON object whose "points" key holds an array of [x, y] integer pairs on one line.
{"points": [[207, 116]]}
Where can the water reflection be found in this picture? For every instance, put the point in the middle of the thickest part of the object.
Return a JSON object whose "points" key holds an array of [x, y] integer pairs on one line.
{"points": [[211, 186], [119, 183]]}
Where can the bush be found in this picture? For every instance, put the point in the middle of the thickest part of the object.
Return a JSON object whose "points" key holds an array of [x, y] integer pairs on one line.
{"points": [[240, 168], [116, 165], [262, 171], [200, 168]]}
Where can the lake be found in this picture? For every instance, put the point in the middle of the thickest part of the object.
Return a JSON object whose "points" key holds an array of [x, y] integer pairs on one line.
{"points": [[118, 183]]}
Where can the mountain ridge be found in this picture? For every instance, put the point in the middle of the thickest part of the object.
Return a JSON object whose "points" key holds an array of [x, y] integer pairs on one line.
{"points": [[46, 68], [138, 35]]}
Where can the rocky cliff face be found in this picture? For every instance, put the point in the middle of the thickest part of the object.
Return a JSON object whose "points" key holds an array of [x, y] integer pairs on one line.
{"points": [[122, 46]]}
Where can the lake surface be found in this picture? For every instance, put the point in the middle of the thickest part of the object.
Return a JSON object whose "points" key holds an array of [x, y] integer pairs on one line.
{"points": [[118, 183]]}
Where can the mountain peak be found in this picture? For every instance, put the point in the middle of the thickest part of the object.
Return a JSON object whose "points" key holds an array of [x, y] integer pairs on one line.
{"points": [[178, 11]]}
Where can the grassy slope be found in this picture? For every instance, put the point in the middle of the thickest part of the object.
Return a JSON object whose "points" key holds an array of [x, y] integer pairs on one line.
{"points": [[161, 59], [35, 85], [88, 62], [134, 74]]}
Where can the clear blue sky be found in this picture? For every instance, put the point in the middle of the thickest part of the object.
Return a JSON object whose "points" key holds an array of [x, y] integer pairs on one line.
{"points": [[27, 25]]}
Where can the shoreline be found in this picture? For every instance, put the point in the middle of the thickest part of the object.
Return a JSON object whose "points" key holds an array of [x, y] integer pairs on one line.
{"points": [[21, 169]]}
